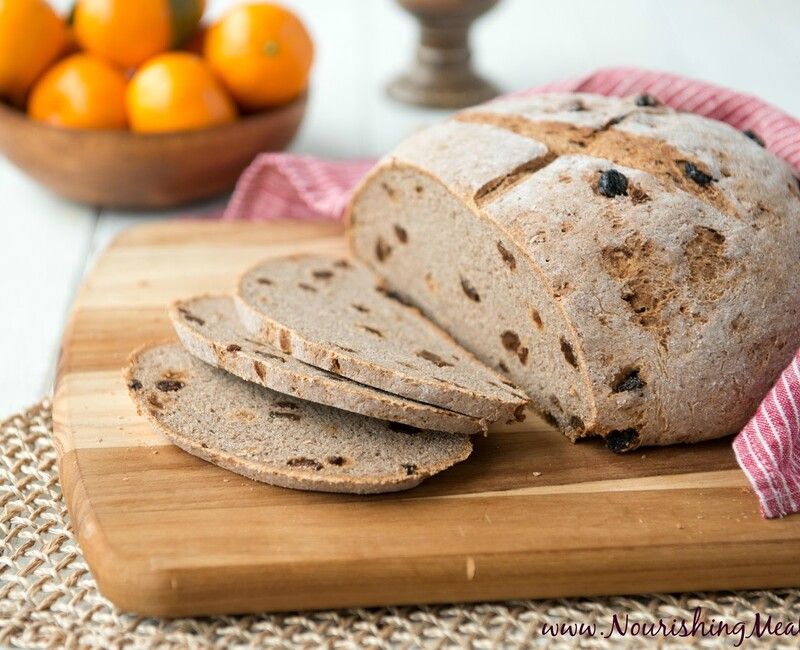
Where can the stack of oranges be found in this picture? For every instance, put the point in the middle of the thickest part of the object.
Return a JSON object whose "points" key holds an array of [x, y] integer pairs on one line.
{"points": [[149, 65]]}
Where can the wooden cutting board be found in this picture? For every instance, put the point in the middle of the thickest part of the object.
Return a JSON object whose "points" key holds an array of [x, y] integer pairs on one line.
{"points": [[528, 515]]}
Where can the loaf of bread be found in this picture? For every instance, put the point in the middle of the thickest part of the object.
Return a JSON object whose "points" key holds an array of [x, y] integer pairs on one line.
{"points": [[636, 270]]}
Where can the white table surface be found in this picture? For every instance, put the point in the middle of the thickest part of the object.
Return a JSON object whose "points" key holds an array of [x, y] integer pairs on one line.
{"points": [[47, 244]]}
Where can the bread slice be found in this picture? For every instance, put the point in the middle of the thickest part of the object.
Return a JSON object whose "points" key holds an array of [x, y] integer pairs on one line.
{"points": [[335, 315], [270, 437], [209, 329]]}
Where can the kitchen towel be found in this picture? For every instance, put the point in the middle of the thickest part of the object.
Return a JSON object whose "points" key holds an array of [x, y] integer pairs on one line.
{"points": [[278, 185]]}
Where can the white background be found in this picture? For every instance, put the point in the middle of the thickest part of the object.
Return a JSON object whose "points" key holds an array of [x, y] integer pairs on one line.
{"points": [[47, 244]]}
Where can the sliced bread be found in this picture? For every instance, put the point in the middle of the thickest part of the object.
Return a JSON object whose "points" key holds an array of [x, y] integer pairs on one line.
{"points": [[270, 437], [209, 329], [335, 315]]}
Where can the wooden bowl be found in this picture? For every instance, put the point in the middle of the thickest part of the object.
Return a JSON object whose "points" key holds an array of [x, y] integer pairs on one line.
{"points": [[121, 169]]}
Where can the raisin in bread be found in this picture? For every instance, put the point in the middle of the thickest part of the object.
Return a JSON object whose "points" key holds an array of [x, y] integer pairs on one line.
{"points": [[270, 437], [209, 329], [634, 269], [334, 314]]}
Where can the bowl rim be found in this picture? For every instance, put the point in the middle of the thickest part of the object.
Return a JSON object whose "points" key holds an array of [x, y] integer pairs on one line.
{"points": [[12, 112]]}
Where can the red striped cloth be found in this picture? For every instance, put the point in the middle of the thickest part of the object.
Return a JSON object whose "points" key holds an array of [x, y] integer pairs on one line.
{"points": [[768, 448], [286, 186], [278, 185]]}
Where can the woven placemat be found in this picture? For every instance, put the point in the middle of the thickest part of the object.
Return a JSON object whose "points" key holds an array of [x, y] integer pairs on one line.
{"points": [[48, 597]]}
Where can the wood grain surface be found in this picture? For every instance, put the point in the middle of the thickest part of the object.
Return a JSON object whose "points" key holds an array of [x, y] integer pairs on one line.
{"points": [[528, 515]]}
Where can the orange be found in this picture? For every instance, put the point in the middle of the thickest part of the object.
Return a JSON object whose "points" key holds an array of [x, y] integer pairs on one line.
{"points": [[177, 91], [31, 38], [128, 32], [262, 52], [82, 92]]}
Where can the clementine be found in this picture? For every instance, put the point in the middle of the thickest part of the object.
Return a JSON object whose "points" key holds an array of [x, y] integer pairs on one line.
{"points": [[177, 91], [31, 38], [81, 91], [262, 52], [128, 32]]}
